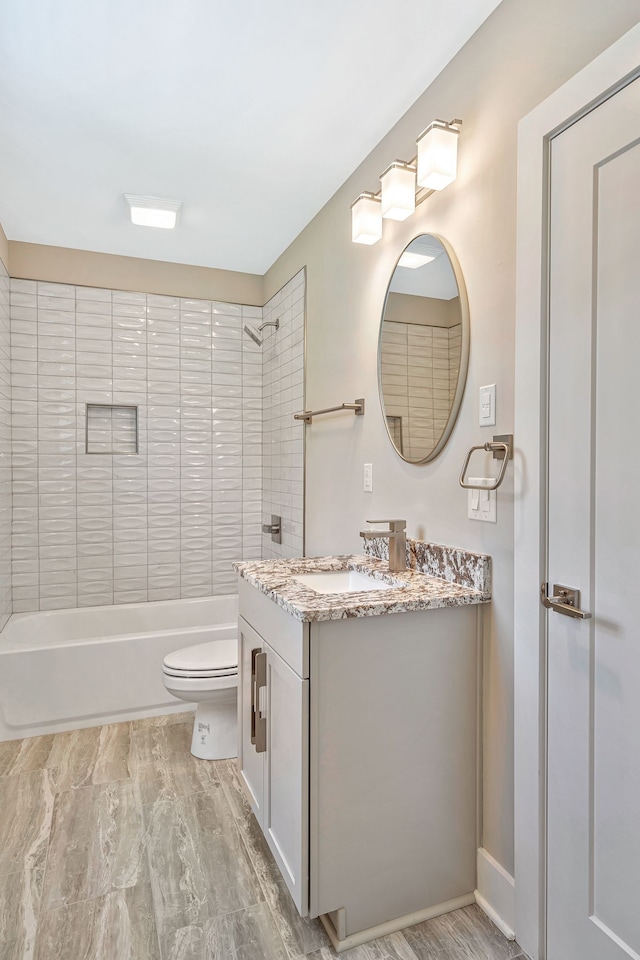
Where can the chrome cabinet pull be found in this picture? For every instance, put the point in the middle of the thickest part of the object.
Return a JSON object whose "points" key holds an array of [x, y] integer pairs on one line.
{"points": [[565, 600], [254, 654], [261, 715]]}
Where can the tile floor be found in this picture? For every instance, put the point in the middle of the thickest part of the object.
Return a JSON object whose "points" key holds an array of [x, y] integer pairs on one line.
{"points": [[116, 844]]}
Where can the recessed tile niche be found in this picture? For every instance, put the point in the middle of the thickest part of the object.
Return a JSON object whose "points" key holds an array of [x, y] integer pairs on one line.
{"points": [[111, 429]]}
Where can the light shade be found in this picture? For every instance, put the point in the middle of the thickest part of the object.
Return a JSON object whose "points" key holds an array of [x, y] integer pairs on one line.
{"points": [[152, 211], [437, 155], [398, 184], [366, 219]]}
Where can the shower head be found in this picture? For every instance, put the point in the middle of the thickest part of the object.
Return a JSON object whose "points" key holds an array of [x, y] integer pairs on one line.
{"points": [[255, 336]]}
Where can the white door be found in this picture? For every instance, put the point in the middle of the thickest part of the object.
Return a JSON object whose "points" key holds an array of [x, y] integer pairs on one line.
{"points": [[593, 892]]}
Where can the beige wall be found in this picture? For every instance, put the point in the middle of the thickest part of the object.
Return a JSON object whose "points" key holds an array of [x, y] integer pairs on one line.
{"points": [[34, 261], [406, 308], [523, 52], [4, 249]]}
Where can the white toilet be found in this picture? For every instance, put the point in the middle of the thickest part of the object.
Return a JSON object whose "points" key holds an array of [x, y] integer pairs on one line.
{"points": [[207, 674]]}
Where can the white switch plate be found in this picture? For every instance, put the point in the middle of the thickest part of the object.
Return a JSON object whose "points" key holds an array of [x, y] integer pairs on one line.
{"points": [[482, 503], [487, 406], [368, 478]]}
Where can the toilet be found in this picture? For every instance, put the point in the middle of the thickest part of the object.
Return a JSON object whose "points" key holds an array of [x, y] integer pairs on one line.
{"points": [[207, 674]]}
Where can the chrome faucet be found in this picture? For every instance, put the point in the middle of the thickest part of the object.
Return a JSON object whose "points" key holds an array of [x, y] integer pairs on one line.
{"points": [[397, 537]]}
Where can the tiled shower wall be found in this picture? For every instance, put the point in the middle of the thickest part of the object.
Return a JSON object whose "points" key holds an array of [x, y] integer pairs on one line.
{"points": [[5, 451], [283, 437], [160, 524], [420, 366]]}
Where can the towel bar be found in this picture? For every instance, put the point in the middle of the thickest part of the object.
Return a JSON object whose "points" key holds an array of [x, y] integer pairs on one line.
{"points": [[307, 415]]}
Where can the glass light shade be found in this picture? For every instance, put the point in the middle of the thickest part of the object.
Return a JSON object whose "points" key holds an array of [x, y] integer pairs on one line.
{"points": [[366, 219], [398, 191], [437, 156]]}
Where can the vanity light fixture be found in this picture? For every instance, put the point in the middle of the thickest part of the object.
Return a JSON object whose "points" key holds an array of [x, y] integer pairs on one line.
{"points": [[152, 211], [433, 168], [366, 218], [398, 190], [438, 155]]}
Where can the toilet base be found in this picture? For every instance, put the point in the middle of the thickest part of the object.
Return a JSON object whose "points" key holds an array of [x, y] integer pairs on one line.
{"points": [[215, 728]]}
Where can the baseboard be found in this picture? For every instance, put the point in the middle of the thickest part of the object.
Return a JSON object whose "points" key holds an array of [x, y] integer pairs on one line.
{"points": [[391, 926], [496, 893]]}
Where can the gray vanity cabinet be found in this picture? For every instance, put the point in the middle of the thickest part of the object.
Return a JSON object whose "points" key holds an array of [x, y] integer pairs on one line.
{"points": [[274, 755], [364, 781]]}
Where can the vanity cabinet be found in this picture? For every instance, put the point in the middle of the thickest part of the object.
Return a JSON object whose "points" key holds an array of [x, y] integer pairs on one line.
{"points": [[358, 754], [274, 755]]}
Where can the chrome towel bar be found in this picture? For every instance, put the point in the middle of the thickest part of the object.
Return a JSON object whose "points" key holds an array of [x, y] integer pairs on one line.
{"points": [[307, 415], [502, 449]]}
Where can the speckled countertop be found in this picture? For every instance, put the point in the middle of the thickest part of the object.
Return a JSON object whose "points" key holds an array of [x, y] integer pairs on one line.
{"points": [[413, 591]]}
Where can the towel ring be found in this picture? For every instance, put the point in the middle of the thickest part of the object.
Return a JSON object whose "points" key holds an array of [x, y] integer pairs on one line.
{"points": [[502, 449]]}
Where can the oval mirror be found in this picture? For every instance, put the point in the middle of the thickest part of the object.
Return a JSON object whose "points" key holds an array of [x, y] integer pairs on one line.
{"points": [[423, 350]]}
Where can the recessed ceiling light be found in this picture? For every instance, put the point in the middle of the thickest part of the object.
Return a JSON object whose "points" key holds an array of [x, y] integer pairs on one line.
{"points": [[152, 211], [413, 260]]}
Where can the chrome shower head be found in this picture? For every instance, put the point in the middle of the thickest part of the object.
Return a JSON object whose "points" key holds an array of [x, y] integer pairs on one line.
{"points": [[254, 336]]}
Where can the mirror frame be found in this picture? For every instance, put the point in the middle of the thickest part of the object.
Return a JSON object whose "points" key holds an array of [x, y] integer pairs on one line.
{"points": [[464, 352]]}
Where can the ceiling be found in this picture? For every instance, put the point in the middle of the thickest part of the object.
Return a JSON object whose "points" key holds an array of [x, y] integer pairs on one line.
{"points": [[251, 113]]}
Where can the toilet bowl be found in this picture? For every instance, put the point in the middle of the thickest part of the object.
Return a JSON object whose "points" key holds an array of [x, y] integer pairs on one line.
{"points": [[207, 674]]}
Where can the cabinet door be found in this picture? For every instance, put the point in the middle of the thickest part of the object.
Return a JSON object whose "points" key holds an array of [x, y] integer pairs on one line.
{"points": [[286, 807], [250, 752]]}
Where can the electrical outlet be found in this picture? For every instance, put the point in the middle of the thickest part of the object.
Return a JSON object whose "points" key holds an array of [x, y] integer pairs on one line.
{"points": [[368, 478], [482, 503]]}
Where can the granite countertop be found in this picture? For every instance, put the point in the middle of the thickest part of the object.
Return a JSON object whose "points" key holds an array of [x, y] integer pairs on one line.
{"points": [[414, 590]]}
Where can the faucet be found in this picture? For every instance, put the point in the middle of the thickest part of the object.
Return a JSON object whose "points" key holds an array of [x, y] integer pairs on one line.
{"points": [[397, 538]]}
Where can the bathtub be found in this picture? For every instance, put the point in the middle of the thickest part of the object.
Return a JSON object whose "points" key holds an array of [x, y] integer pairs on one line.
{"points": [[65, 669]]}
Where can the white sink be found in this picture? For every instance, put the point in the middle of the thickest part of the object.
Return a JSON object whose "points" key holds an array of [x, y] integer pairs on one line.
{"points": [[342, 581]]}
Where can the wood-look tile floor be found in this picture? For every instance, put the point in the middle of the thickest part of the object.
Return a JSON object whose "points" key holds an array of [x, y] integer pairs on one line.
{"points": [[117, 844]]}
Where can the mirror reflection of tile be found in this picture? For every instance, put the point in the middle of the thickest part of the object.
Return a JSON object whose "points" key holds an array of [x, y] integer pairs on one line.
{"points": [[420, 364]]}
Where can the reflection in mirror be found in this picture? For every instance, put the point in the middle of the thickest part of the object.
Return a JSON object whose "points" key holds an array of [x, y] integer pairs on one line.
{"points": [[424, 348]]}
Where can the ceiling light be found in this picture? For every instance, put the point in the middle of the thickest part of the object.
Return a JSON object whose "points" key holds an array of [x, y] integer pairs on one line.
{"points": [[433, 168], [414, 260], [438, 155], [153, 211], [366, 218], [398, 190]]}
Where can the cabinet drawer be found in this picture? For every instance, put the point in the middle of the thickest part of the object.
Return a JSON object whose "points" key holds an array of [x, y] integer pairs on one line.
{"points": [[287, 636]]}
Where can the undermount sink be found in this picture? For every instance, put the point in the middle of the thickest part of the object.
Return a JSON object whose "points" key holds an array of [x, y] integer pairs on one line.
{"points": [[342, 581]]}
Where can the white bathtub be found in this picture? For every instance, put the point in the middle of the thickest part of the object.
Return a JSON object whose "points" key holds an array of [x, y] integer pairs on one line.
{"points": [[64, 669]]}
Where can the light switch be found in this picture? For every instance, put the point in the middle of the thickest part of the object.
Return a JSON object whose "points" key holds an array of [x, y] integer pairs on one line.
{"points": [[368, 478], [482, 503], [487, 417]]}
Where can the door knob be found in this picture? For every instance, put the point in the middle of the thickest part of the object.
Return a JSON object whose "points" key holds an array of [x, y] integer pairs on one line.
{"points": [[565, 600]]}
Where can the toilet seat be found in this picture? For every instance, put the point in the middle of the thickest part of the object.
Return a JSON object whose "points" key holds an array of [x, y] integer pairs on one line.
{"points": [[217, 658]]}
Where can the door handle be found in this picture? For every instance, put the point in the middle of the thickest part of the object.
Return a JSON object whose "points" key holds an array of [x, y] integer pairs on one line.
{"points": [[565, 600]]}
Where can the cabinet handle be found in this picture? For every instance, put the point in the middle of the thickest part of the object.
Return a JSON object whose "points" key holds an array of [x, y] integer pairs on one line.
{"points": [[261, 717], [254, 655]]}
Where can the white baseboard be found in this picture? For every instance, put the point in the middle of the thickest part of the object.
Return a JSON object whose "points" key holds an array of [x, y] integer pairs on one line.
{"points": [[341, 941], [496, 893]]}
